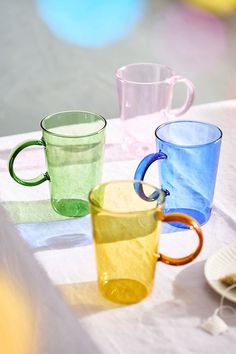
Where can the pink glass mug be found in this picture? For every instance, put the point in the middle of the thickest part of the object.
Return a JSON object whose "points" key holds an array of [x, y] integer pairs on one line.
{"points": [[145, 92]]}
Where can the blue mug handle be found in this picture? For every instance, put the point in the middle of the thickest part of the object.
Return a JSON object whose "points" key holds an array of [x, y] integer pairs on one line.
{"points": [[143, 167]]}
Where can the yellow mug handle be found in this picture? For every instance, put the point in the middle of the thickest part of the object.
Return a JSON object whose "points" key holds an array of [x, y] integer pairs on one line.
{"points": [[193, 224]]}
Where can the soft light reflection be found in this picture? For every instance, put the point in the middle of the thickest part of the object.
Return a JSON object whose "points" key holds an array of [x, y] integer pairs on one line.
{"points": [[220, 7], [17, 332], [192, 38], [91, 23]]}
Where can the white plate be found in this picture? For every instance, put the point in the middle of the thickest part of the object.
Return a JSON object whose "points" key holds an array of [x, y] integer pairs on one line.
{"points": [[220, 264]]}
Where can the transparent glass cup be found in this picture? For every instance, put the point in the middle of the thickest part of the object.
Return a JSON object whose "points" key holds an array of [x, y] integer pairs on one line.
{"points": [[126, 219], [188, 153], [145, 92], [74, 145]]}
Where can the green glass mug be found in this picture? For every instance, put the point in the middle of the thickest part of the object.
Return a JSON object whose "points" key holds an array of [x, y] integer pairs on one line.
{"points": [[74, 144]]}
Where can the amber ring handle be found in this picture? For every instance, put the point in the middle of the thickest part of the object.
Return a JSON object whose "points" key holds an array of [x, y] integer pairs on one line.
{"points": [[193, 224]]}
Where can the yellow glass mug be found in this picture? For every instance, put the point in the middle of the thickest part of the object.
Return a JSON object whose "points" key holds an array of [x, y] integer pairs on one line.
{"points": [[126, 219]]}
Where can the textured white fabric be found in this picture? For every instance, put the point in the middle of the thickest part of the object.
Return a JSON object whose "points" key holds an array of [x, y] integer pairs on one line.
{"points": [[168, 321], [34, 317]]}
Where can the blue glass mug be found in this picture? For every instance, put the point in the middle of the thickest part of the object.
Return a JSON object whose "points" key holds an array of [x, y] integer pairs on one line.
{"points": [[188, 154]]}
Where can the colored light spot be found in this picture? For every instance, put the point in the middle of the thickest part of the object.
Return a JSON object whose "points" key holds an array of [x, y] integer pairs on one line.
{"points": [[220, 7], [17, 333], [193, 37], [91, 23]]}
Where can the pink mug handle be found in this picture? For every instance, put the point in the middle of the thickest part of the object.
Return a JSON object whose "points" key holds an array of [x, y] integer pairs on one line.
{"points": [[190, 94]]}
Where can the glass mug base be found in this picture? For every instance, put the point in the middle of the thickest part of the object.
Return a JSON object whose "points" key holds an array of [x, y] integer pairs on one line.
{"points": [[138, 134], [136, 149], [123, 291], [71, 207]]}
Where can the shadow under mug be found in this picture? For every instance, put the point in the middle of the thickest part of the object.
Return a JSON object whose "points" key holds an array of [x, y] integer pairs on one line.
{"points": [[145, 92], [126, 230], [74, 145], [188, 155]]}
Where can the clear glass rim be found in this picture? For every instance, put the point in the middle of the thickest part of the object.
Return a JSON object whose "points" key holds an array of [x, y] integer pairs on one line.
{"points": [[120, 78], [73, 136], [160, 200], [213, 141]]}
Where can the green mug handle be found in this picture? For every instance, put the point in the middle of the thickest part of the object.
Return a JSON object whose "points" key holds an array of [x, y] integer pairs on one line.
{"points": [[30, 182]]}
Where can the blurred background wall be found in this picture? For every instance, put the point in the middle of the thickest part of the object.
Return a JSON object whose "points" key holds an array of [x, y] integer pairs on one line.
{"points": [[63, 54]]}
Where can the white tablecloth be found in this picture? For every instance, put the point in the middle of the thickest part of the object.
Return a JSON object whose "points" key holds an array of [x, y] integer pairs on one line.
{"points": [[168, 321]]}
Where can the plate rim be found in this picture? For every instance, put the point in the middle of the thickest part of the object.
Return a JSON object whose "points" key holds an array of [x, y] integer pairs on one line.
{"points": [[227, 295]]}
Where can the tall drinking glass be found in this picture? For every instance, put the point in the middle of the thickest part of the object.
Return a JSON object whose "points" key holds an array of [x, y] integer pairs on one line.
{"points": [[145, 92], [126, 232], [74, 143], [188, 154]]}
